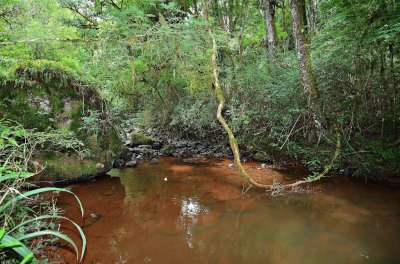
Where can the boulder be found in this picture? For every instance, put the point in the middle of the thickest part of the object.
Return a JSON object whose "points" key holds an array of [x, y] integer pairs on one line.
{"points": [[262, 157], [51, 99]]}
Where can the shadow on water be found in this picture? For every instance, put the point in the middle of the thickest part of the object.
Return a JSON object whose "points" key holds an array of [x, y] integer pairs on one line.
{"points": [[175, 212]]}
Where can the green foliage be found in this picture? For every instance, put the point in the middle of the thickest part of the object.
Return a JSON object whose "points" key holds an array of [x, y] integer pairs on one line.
{"points": [[21, 223], [91, 123], [151, 59]]}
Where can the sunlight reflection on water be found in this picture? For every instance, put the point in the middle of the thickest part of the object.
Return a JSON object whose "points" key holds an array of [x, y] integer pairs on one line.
{"points": [[191, 210]]}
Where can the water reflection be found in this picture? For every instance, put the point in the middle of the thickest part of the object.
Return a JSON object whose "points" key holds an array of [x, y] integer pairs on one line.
{"points": [[207, 219], [191, 210]]}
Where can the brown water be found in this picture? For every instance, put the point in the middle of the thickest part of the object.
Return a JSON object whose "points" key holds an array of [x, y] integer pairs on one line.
{"points": [[200, 215]]}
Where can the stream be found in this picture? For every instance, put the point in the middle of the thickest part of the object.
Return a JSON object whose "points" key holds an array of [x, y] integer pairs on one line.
{"points": [[179, 212]]}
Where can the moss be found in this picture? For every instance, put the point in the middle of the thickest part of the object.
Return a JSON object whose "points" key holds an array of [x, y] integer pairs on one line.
{"points": [[16, 107], [60, 167], [141, 139], [262, 157], [76, 117], [36, 96], [114, 142]]}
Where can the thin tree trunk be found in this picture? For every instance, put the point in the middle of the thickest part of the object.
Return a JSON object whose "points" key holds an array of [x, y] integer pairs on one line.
{"points": [[270, 26], [284, 26], [306, 74]]}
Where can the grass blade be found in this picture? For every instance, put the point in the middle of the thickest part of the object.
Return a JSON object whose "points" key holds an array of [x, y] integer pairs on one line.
{"points": [[38, 191], [83, 237], [22, 250], [51, 233], [28, 258], [12, 176]]}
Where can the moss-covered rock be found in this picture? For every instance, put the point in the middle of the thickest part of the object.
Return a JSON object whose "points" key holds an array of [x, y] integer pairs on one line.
{"points": [[45, 97], [262, 157], [70, 166], [141, 139]]}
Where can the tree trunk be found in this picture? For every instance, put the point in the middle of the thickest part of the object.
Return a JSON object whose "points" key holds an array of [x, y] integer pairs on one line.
{"points": [[313, 15], [270, 27], [196, 10], [307, 78], [284, 27]]}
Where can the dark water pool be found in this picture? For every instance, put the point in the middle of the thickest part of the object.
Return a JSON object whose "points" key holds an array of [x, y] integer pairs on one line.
{"points": [[175, 212]]}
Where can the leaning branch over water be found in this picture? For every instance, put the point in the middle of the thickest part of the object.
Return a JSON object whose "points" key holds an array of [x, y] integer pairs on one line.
{"points": [[232, 140]]}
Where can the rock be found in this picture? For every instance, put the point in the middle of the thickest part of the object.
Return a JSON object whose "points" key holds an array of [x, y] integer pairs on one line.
{"points": [[231, 166], [157, 145], [139, 157], [126, 154], [193, 144], [131, 164], [177, 154], [167, 150], [118, 163], [262, 157], [99, 166], [138, 139], [48, 101], [218, 155], [349, 171], [154, 161], [137, 150], [181, 144], [229, 152], [145, 146]]}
